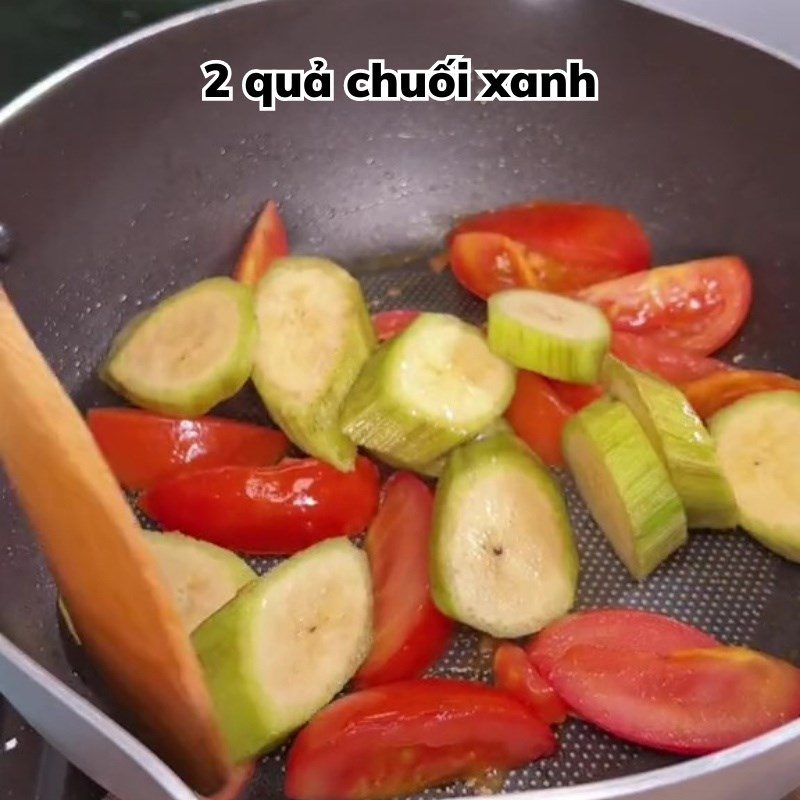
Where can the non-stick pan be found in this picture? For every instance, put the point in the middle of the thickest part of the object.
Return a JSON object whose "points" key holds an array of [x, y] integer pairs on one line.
{"points": [[119, 185]]}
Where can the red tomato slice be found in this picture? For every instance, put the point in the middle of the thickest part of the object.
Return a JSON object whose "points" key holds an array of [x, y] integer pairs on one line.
{"points": [[400, 739], [143, 448], [698, 305], [708, 395], [240, 779], [267, 241], [410, 632], [577, 395], [269, 510], [673, 364], [514, 673], [485, 263], [551, 246], [615, 628], [537, 414], [691, 702], [389, 324]]}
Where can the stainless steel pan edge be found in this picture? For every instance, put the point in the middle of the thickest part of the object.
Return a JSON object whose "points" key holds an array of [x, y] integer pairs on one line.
{"points": [[768, 767], [90, 739]]}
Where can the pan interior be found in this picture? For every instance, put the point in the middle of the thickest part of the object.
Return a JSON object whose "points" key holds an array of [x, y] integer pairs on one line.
{"points": [[720, 582]]}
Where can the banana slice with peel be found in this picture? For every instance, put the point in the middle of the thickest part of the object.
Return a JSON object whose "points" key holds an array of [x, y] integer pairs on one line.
{"points": [[758, 444], [192, 351], [315, 335], [201, 577], [503, 556], [682, 441], [434, 469], [426, 391], [286, 644], [549, 334], [626, 487]]}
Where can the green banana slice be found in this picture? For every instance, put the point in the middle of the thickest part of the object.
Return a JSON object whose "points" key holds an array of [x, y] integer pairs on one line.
{"points": [[625, 485], [315, 335], [680, 438], [286, 644], [548, 334], [503, 557], [192, 351], [70, 625], [201, 577], [426, 391], [758, 444], [434, 469]]}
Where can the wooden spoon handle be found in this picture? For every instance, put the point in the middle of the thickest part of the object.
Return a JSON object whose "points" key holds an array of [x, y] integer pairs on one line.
{"points": [[104, 570]]}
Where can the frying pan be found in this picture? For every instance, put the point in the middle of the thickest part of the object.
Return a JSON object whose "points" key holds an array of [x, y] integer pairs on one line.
{"points": [[119, 186]]}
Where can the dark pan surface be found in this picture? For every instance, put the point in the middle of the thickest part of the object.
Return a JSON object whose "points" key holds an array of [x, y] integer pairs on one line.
{"points": [[121, 186]]}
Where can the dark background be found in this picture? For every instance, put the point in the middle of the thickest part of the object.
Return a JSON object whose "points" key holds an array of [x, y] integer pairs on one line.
{"points": [[38, 36]]}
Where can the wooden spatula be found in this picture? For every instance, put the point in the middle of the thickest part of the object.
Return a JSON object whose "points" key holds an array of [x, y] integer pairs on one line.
{"points": [[107, 576]]}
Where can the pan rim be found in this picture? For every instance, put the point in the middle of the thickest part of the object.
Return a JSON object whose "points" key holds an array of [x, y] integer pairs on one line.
{"points": [[661, 778], [94, 717], [719, 30]]}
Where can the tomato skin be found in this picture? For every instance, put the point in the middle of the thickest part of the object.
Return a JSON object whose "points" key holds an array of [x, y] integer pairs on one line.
{"points": [[615, 628], [389, 324], [241, 776], [691, 702], [410, 632], [670, 362], [708, 395], [266, 242], [577, 395], [699, 305], [514, 673], [552, 246], [142, 448], [538, 415], [402, 738], [267, 510]]}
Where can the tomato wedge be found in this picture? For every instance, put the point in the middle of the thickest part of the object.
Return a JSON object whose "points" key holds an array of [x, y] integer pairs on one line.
{"points": [[552, 246], [267, 510], [691, 702], [485, 263], [672, 363], [410, 632], [514, 673], [615, 628], [267, 241], [143, 448], [537, 414], [699, 305], [389, 324], [708, 395], [400, 739], [577, 395]]}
